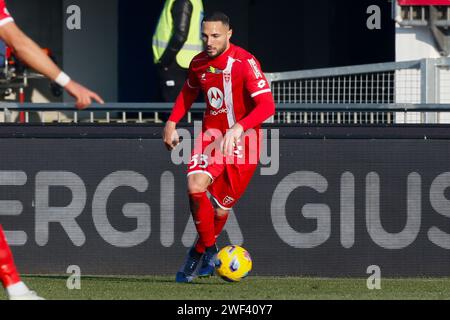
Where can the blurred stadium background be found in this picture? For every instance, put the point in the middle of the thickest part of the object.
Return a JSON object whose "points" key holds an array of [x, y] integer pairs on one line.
{"points": [[364, 144]]}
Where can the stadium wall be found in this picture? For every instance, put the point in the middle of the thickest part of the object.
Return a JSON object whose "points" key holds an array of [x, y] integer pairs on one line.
{"points": [[91, 53], [110, 200]]}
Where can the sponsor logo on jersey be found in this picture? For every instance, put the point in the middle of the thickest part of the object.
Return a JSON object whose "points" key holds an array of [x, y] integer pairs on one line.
{"points": [[215, 97], [216, 113], [255, 68], [213, 70], [262, 84]]}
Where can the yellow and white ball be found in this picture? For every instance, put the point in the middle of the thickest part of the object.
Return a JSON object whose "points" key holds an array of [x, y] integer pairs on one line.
{"points": [[233, 263]]}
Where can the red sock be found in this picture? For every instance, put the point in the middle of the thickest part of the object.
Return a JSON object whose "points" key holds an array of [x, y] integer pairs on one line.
{"points": [[219, 223], [8, 272], [203, 214]]}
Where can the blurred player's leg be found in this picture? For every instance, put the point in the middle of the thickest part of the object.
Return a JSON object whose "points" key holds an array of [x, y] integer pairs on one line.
{"points": [[8, 272], [9, 276]]}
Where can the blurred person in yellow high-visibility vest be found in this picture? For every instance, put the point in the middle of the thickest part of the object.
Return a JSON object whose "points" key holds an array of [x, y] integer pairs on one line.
{"points": [[176, 41]]}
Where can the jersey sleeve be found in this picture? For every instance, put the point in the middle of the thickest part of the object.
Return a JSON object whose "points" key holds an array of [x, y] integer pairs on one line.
{"points": [[186, 97], [259, 89], [192, 79], [255, 80], [5, 17]]}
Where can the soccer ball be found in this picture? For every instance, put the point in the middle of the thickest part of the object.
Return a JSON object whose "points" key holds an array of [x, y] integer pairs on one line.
{"points": [[233, 263]]}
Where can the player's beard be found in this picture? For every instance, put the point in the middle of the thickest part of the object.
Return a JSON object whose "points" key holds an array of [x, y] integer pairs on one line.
{"points": [[219, 51]]}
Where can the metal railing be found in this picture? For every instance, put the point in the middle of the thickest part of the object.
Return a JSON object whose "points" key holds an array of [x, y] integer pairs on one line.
{"points": [[107, 113], [384, 93], [411, 82], [154, 113]]}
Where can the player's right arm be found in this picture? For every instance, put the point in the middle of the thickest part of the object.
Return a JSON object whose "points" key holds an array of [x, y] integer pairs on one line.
{"points": [[32, 55], [182, 105]]}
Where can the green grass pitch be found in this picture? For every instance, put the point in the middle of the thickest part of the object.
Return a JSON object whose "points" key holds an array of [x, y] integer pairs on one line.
{"points": [[252, 288]]}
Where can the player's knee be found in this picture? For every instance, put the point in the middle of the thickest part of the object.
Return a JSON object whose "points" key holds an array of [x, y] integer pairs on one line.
{"points": [[197, 185]]}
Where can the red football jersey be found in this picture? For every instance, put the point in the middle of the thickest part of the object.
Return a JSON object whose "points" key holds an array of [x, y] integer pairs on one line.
{"points": [[235, 90], [5, 17]]}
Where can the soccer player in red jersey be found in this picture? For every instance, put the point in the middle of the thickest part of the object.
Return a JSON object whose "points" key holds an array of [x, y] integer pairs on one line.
{"points": [[30, 53], [226, 154]]}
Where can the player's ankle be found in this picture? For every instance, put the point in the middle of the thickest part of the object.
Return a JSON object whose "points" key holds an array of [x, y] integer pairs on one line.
{"points": [[200, 248], [211, 250], [193, 253]]}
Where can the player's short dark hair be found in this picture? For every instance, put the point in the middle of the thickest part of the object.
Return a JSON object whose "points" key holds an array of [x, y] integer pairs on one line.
{"points": [[217, 16]]}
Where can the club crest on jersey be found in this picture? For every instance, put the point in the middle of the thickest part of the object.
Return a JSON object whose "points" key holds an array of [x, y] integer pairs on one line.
{"points": [[228, 200], [215, 97], [227, 76]]}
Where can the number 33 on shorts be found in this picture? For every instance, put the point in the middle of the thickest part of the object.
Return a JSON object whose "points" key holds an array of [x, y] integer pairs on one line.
{"points": [[200, 161]]}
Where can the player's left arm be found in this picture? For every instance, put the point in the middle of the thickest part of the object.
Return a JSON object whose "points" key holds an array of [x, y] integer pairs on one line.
{"points": [[259, 90]]}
